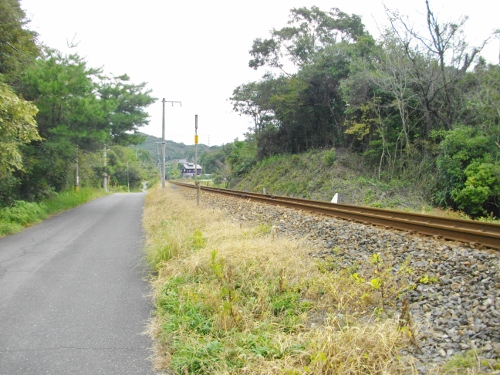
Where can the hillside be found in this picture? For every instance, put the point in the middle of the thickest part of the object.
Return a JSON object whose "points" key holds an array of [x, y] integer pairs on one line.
{"points": [[173, 150], [320, 174]]}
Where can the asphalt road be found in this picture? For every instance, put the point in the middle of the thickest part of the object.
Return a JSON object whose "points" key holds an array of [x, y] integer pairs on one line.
{"points": [[73, 299]]}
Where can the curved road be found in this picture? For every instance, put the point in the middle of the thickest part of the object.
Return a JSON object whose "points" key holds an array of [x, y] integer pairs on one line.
{"points": [[73, 299]]}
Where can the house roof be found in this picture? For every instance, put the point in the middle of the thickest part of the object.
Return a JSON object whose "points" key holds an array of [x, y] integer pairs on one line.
{"points": [[190, 166]]}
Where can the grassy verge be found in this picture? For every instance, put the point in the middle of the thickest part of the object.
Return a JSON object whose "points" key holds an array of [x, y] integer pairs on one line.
{"points": [[234, 299], [22, 214]]}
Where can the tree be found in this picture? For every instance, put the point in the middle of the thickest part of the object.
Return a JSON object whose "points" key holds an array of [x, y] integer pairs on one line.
{"points": [[79, 109], [210, 159], [124, 168], [240, 156], [479, 192], [64, 90], [303, 110], [440, 60], [70, 117], [252, 99], [322, 94], [392, 74], [383, 107], [80, 104], [124, 106], [17, 127], [483, 99], [18, 48], [309, 31]]}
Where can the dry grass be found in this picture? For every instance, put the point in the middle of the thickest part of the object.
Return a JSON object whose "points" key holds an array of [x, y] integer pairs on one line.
{"points": [[232, 299]]}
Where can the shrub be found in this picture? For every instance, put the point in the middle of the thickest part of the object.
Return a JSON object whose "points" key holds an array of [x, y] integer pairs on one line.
{"points": [[481, 189], [330, 157]]}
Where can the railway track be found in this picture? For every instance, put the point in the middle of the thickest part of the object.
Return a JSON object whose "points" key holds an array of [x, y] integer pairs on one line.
{"points": [[469, 231]]}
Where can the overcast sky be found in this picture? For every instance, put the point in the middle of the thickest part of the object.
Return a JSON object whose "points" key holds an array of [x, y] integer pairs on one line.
{"points": [[196, 51]]}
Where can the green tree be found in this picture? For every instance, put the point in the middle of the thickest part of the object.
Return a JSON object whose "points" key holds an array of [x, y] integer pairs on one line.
{"points": [[252, 99], [70, 117], [64, 90], [79, 109], [384, 109], [17, 127], [296, 112], [124, 106], [241, 156], [309, 31], [322, 96], [125, 170], [211, 159], [483, 99], [18, 48]]}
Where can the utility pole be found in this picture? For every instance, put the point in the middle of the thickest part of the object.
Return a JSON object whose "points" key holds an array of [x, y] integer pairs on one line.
{"points": [[163, 140], [196, 182], [77, 178], [105, 181]]}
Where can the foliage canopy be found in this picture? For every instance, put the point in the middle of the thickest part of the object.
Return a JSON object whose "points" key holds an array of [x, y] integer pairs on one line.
{"points": [[414, 104]]}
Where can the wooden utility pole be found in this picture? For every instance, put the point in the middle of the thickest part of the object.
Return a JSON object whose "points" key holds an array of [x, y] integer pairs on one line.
{"points": [[105, 176], [77, 177]]}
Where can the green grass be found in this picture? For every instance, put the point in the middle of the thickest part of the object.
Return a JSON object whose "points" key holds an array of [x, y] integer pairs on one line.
{"points": [[22, 214], [470, 363]]}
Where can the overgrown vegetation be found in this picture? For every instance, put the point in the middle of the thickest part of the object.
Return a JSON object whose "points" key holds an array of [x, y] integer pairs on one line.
{"points": [[419, 108], [22, 214], [319, 174], [234, 299]]}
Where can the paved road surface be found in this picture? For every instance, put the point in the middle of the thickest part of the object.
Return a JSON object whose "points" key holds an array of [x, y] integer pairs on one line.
{"points": [[72, 295]]}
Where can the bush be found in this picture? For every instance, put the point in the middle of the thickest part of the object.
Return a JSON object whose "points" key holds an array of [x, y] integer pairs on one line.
{"points": [[481, 189], [330, 157], [468, 177]]}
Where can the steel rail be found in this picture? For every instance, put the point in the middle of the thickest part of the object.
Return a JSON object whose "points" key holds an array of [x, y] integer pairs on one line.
{"points": [[469, 231]]}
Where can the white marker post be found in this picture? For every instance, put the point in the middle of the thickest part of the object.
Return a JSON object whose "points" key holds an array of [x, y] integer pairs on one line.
{"points": [[335, 198]]}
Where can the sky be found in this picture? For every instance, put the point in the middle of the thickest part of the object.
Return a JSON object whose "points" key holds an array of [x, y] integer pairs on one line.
{"points": [[196, 51]]}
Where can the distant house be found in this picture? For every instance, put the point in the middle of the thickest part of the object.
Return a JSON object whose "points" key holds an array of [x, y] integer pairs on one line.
{"points": [[188, 169]]}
